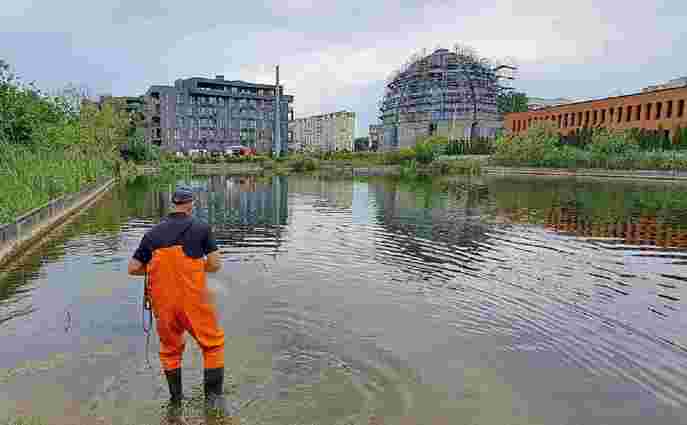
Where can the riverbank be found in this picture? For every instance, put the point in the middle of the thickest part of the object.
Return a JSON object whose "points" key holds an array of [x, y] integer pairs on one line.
{"points": [[675, 175], [31, 227]]}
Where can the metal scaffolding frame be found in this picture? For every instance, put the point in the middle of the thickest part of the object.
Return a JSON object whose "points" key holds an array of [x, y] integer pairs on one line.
{"points": [[445, 86]]}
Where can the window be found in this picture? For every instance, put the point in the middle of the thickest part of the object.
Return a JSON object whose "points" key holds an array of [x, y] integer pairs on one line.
{"points": [[638, 115], [628, 118], [603, 116], [596, 117], [658, 110], [586, 118], [669, 111], [559, 120], [620, 114], [610, 115], [572, 120], [647, 114], [579, 119], [681, 108], [180, 98], [193, 100]]}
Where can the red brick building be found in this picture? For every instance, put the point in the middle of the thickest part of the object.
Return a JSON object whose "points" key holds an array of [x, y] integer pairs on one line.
{"points": [[655, 110]]}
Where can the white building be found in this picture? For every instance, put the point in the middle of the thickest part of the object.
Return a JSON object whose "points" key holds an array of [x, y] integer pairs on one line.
{"points": [[324, 133]]}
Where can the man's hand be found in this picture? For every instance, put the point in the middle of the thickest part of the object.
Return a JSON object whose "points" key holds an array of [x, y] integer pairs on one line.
{"points": [[212, 265], [136, 268]]}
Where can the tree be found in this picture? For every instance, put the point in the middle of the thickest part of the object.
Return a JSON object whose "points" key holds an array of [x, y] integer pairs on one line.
{"points": [[483, 80], [512, 102], [104, 128]]}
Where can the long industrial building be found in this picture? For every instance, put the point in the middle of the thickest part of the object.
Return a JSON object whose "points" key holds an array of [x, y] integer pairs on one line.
{"points": [[439, 94], [662, 109], [213, 114], [323, 133]]}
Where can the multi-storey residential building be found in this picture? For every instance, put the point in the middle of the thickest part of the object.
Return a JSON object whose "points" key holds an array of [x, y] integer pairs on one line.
{"points": [[376, 136], [325, 133], [658, 110], [213, 114]]}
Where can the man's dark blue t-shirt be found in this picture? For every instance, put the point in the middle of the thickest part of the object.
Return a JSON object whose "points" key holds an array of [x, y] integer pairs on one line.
{"points": [[177, 229]]}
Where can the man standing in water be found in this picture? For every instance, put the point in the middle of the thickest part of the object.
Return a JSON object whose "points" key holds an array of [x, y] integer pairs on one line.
{"points": [[177, 253]]}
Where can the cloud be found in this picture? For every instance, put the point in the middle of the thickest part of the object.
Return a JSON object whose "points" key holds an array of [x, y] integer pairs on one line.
{"points": [[336, 55]]}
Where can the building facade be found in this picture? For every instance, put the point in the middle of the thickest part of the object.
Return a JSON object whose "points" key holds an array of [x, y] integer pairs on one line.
{"points": [[376, 137], [323, 133], [440, 94], [214, 114], [655, 110]]}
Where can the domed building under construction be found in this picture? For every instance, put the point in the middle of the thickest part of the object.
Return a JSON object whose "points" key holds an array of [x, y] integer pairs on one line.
{"points": [[447, 93]]}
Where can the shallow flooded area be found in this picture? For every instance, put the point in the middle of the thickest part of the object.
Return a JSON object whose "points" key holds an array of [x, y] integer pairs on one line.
{"points": [[487, 300]]}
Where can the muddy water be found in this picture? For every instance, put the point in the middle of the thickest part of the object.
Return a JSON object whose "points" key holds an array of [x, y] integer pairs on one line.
{"points": [[477, 301]]}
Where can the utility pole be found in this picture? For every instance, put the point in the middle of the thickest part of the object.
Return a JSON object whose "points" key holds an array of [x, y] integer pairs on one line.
{"points": [[277, 120]]}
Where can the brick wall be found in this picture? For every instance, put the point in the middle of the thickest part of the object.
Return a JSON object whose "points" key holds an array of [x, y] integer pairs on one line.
{"points": [[664, 109]]}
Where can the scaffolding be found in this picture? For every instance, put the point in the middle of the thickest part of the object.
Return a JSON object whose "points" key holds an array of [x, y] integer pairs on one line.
{"points": [[443, 88]]}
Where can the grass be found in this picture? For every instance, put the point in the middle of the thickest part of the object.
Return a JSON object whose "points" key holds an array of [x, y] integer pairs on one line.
{"points": [[30, 178]]}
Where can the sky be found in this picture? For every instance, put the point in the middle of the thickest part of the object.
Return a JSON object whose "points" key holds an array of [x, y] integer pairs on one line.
{"points": [[336, 55]]}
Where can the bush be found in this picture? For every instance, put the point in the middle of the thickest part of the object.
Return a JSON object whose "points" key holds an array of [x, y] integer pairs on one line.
{"points": [[304, 164], [532, 147], [424, 154]]}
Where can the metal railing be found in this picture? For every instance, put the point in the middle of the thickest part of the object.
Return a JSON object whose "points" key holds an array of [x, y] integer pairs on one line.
{"points": [[23, 227]]}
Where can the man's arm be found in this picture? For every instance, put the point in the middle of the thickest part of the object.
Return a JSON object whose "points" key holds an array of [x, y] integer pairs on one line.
{"points": [[143, 254], [136, 268], [213, 264]]}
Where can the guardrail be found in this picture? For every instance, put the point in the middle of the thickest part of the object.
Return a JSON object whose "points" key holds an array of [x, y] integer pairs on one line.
{"points": [[29, 224]]}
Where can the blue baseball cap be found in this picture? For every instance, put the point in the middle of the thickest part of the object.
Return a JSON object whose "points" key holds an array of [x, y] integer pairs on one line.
{"points": [[182, 195]]}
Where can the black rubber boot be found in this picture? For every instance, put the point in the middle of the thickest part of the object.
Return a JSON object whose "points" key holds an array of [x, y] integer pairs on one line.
{"points": [[214, 398], [175, 393]]}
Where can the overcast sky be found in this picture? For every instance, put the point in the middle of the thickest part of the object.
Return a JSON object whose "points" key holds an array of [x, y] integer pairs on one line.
{"points": [[336, 55]]}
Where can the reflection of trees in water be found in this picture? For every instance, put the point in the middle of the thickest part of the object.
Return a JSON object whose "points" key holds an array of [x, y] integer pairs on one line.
{"points": [[430, 227], [632, 212], [96, 233]]}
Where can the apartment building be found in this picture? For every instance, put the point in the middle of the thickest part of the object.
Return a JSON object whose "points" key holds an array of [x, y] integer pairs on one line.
{"points": [[376, 136], [213, 114], [323, 133]]}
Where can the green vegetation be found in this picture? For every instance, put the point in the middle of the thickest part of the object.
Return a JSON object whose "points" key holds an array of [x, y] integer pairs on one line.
{"points": [[51, 145], [541, 146], [512, 102]]}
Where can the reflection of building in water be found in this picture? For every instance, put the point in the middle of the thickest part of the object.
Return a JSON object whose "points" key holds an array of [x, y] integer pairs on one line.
{"points": [[645, 230], [429, 227], [247, 211], [332, 194]]}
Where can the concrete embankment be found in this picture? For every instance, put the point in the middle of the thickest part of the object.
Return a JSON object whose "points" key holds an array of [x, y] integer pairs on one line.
{"points": [[588, 173], [31, 227]]}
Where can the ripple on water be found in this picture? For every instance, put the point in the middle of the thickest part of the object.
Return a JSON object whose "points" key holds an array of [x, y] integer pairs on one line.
{"points": [[322, 273]]}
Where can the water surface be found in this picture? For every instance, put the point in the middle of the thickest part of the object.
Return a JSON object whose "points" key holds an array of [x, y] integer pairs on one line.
{"points": [[478, 301]]}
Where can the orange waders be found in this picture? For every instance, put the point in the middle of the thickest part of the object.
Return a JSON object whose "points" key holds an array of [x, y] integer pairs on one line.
{"points": [[178, 289]]}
